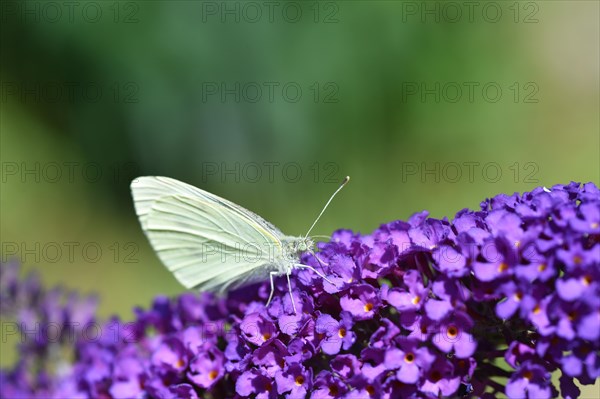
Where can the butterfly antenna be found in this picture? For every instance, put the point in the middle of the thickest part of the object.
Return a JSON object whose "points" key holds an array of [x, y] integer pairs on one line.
{"points": [[344, 182]]}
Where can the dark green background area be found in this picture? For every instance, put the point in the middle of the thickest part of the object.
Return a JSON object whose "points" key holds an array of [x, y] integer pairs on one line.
{"points": [[181, 89]]}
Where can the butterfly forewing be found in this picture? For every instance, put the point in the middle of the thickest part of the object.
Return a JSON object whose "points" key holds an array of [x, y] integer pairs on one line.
{"points": [[148, 189], [206, 241]]}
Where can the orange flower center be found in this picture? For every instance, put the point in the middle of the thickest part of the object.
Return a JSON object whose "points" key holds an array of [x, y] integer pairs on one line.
{"points": [[452, 332], [342, 332], [518, 296], [213, 374], [370, 390], [502, 267], [266, 336], [416, 300], [528, 375], [409, 358], [299, 380], [542, 267], [368, 307]]}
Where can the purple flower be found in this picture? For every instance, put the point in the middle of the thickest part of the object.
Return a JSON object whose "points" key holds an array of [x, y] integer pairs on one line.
{"points": [[439, 379], [183, 391], [382, 337], [410, 361], [124, 389], [206, 368], [529, 381], [500, 261], [581, 362], [256, 329], [238, 354], [589, 323], [397, 389], [337, 334], [270, 357], [407, 299], [429, 233], [588, 221], [514, 295], [129, 376], [253, 382], [438, 309], [361, 301], [382, 256], [373, 366], [518, 352], [577, 257], [346, 366], [328, 386], [450, 261], [364, 389], [294, 381], [300, 350], [343, 273], [170, 355], [289, 322], [454, 336]]}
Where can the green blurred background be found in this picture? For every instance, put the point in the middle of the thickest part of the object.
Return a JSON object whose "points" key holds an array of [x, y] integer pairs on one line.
{"points": [[427, 105]]}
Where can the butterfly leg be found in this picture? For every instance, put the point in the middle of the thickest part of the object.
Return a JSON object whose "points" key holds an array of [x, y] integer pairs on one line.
{"points": [[318, 260], [290, 289], [271, 274], [300, 265]]}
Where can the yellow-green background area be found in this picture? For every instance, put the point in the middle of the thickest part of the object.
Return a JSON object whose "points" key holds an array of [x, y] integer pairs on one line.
{"points": [[153, 61]]}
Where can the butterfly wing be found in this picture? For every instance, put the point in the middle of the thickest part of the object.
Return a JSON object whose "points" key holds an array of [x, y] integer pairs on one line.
{"points": [[206, 241], [147, 190]]}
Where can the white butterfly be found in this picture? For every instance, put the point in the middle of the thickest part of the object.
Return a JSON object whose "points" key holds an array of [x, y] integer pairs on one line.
{"points": [[211, 243]]}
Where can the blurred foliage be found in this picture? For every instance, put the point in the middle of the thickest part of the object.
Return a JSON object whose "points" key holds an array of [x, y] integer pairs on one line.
{"points": [[153, 62]]}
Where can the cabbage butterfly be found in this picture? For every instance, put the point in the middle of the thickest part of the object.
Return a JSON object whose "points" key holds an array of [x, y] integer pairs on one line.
{"points": [[211, 243]]}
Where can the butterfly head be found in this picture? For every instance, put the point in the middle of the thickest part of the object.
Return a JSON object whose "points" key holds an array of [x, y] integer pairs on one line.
{"points": [[298, 245], [304, 244]]}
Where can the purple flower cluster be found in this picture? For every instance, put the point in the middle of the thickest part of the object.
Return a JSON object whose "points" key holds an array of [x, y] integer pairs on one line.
{"points": [[493, 301]]}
